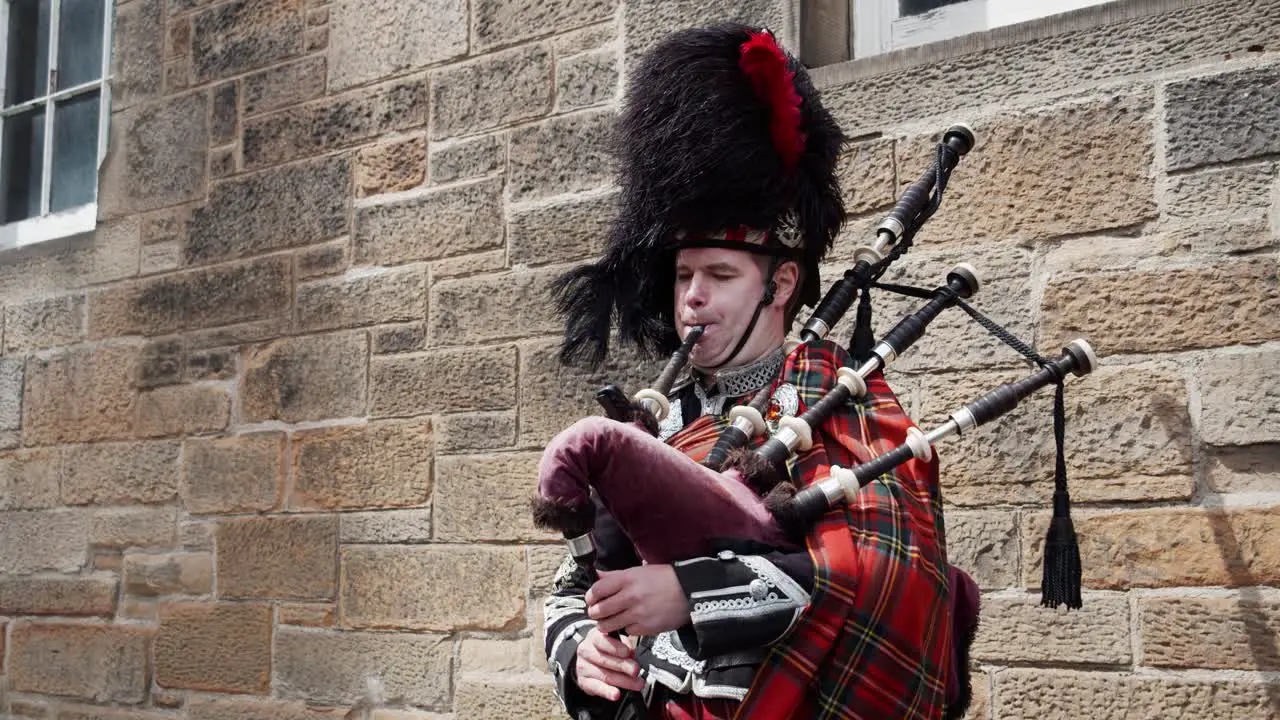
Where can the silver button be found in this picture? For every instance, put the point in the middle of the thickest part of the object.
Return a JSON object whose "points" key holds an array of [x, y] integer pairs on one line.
{"points": [[726, 555], [759, 589]]}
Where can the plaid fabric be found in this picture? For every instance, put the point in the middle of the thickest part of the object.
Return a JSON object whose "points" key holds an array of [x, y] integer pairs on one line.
{"points": [[875, 640]]}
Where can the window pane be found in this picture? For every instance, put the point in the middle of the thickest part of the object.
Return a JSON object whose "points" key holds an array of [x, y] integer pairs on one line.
{"points": [[920, 7], [75, 151], [28, 56], [23, 159], [80, 25]]}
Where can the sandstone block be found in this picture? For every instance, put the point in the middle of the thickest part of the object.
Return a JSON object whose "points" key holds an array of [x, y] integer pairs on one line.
{"points": [[494, 656], [220, 647], [1101, 151], [280, 86], [243, 473], [244, 708], [430, 225], [592, 37], [121, 473], [370, 40], [523, 696], [333, 667], [44, 323], [306, 378], [468, 158], [251, 332], [391, 166], [1227, 632], [167, 257], [445, 381], [647, 21], [1213, 196], [553, 397], [433, 588], [984, 543], [226, 115], [1017, 629], [362, 466], [160, 158], [133, 527], [100, 663], [395, 295], [277, 557], [494, 307], [244, 35], [564, 232], [162, 362], [183, 410], [486, 498], [502, 22], [1220, 118], [168, 574], [1164, 548], [334, 122], [587, 79], [197, 535], [30, 479], [205, 297], [137, 50], [11, 375], [867, 176], [1240, 398], [111, 255], [1034, 694], [391, 339], [293, 205], [88, 595], [328, 258], [82, 394], [1129, 433], [497, 89], [214, 364], [386, 527], [1231, 303], [1243, 469], [307, 614], [467, 265], [562, 155], [102, 713], [476, 431]]}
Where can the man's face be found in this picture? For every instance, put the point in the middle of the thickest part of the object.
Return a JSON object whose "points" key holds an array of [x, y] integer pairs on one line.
{"points": [[720, 289]]}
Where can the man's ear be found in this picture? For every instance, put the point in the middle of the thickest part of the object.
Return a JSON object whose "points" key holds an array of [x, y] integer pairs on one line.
{"points": [[785, 278]]}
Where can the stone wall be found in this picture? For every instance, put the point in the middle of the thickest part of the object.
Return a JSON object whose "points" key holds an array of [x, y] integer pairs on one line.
{"points": [[270, 431]]}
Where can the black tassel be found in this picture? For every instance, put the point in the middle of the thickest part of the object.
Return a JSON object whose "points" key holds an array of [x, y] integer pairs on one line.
{"points": [[864, 338], [1060, 584]]}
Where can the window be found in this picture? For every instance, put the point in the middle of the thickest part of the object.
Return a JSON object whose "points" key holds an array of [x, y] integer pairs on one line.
{"points": [[54, 118], [881, 26]]}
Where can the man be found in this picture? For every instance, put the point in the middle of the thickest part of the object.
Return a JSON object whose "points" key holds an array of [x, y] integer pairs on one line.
{"points": [[729, 202]]}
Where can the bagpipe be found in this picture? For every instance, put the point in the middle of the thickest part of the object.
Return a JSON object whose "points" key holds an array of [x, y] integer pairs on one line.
{"points": [[742, 489]]}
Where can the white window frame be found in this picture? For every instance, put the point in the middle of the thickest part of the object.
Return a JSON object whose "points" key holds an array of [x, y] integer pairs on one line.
{"points": [[878, 29], [83, 218]]}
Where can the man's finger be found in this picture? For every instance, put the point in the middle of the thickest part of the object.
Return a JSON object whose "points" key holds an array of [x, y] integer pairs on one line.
{"points": [[605, 660], [607, 584], [598, 688], [617, 622]]}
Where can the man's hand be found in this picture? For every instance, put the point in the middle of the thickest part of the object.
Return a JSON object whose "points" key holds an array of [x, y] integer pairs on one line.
{"points": [[644, 600], [604, 665]]}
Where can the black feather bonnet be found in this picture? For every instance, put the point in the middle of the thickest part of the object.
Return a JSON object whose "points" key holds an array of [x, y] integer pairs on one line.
{"points": [[721, 141]]}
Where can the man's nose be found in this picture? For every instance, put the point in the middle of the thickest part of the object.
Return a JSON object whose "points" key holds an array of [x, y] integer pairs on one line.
{"points": [[694, 297]]}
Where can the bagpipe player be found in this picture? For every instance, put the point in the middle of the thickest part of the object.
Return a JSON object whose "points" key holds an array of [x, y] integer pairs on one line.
{"points": [[729, 202]]}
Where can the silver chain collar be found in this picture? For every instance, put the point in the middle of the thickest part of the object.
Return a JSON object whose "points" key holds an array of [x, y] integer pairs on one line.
{"points": [[739, 381]]}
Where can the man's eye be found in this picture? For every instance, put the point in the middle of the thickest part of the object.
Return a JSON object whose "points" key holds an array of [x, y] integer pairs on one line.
{"points": [[723, 277]]}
